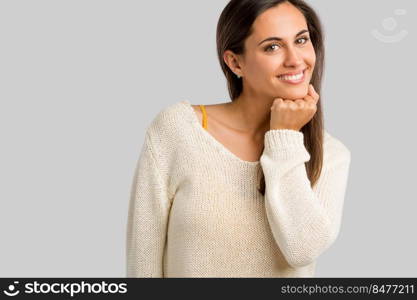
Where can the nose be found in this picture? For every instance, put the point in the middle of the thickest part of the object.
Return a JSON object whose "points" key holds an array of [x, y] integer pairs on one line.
{"points": [[292, 58]]}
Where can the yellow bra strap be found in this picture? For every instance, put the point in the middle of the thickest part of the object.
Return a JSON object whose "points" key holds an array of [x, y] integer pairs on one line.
{"points": [[203, 109]]}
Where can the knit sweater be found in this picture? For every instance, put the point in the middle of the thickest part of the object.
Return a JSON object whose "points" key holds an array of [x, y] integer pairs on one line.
{"points": [[195, 209]]}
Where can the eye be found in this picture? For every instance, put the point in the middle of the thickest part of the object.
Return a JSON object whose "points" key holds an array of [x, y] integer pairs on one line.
{"points": [[304, 38], [269, 47]]}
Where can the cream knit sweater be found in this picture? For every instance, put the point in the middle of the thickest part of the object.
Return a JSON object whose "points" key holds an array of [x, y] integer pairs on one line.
{"points": [[195, 210]]}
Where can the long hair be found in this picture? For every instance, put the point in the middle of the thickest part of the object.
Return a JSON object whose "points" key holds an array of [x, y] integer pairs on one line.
{"points": [[234, 26]]}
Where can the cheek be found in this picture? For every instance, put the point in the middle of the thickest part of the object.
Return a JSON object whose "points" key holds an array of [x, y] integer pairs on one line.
{"points": [[261, 67], [311, 56]]}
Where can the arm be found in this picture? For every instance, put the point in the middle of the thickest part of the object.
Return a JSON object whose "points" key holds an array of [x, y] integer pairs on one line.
{"points": [[303, 221], [147, 218]]}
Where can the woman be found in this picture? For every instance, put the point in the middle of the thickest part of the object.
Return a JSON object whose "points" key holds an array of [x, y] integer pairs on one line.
{"points": [[250, 188]]}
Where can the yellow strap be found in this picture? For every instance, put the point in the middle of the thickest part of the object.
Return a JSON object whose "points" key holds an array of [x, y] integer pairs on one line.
{"points": [[203, 109]]}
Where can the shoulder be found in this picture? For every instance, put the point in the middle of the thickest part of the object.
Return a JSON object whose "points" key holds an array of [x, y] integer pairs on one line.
{"points": [[165, 132], [335, 150], [168, 115], [170, 119]]}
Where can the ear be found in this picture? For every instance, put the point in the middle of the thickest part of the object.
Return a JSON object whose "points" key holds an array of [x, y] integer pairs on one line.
{"points": [[232, 61]]}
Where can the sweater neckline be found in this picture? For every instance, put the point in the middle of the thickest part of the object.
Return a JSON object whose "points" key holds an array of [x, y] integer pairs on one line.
{"points": [[212, 140]]}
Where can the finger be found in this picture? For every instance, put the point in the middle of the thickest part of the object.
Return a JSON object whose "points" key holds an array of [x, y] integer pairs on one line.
{"points": [[310, 99], [276, 102], [300, 102], [310, 88], [294, 105], [315, 95], [314, 89], [290, 104], [309, 103]]}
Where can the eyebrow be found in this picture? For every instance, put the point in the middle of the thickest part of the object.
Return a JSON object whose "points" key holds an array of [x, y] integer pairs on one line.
{"points": [[274, 38]]}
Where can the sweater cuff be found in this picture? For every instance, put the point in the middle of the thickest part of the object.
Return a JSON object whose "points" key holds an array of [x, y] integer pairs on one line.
{"points": [[284, 144]]}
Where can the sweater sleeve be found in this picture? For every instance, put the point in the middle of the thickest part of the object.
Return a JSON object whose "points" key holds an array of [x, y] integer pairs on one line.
{"points": [[147, 217], [304, 221]]}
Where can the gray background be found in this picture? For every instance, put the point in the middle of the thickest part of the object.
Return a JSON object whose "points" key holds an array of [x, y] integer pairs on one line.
{"points": [[80, 81]]}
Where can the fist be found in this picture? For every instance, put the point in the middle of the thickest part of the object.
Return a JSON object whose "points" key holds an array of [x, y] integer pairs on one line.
{"points": [[294, 114]]}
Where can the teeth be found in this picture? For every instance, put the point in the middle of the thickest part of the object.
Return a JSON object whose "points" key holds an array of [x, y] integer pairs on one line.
{"points": [[293, 77]]}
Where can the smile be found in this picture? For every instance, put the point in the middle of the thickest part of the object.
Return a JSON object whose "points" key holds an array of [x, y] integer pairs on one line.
{"points": [[293, 79]]}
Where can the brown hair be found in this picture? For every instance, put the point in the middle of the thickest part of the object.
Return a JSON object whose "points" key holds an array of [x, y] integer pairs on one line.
{"points": [[234, 26]]}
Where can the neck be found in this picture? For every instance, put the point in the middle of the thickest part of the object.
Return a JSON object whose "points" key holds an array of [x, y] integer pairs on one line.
{"points": [[251, 115]]}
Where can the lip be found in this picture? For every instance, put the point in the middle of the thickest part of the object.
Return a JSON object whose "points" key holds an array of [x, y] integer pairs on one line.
{"points": [[293, 73], [294, 81]]}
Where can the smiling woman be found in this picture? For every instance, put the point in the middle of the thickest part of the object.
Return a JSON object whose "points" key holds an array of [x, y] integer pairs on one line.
{"points": [[197, 207], [277, 50]]}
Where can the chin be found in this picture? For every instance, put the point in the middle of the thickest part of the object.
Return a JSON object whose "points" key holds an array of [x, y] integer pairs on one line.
{"points": [[293, 93]]}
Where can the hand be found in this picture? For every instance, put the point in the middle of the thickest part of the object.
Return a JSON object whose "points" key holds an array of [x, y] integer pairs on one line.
{"points": [[294, 114]]}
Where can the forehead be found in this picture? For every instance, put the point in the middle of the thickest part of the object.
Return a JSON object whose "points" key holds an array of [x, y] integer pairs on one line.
{"points": [[284, 20]]}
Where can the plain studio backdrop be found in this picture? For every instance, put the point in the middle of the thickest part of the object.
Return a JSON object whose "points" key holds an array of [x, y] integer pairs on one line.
{"points": [[80, 81]]}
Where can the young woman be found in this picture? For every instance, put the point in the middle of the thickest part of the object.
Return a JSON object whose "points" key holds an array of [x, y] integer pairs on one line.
{"points": [[249, 188]]}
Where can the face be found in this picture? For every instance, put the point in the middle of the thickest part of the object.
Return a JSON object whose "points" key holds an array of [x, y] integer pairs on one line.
{"points": [[265, 61]]}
